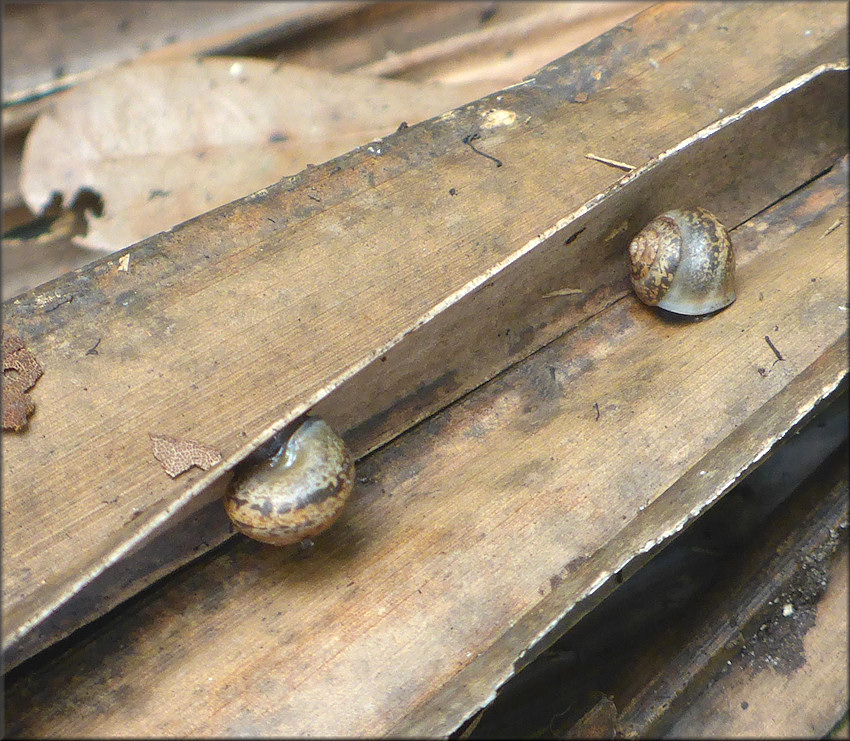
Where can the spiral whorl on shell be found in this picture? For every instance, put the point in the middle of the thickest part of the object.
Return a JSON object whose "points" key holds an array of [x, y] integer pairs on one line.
{"points": [[683, 261]]}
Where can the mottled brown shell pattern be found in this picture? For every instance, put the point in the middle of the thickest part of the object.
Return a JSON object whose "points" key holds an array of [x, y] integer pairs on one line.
{"points": [[298, 492], [655, 254], [683, 261]]}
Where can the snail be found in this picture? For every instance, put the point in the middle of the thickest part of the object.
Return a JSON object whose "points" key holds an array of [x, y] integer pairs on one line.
{"points": [[296, 493], [683, 262]]}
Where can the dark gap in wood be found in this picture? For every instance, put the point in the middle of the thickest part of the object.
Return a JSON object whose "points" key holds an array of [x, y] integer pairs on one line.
{"points": [[800, 187]]}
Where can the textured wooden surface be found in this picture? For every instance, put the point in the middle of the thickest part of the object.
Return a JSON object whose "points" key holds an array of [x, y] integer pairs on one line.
{"points": [[472, 537], [229, 326]]}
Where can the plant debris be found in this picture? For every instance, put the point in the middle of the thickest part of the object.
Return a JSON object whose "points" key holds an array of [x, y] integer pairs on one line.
{"points": [[475, 137], [61, 302], [563, 292], [773, 347], [831, 229], [21, 370], [610, 162], [178, 456]]}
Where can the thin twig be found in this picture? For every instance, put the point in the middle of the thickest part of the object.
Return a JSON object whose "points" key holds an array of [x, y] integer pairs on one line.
{"points": [[832, 228], [563, 292], [612, 163], [773, 347], [469, 138], [64, 301]]}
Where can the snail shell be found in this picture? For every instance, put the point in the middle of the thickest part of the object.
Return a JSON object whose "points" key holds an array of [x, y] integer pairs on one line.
{"points": [[298, 492], [683, 262]]}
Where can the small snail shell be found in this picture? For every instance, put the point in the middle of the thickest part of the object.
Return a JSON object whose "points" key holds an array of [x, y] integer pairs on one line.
{"points": [[683, 262], [298, 492]]}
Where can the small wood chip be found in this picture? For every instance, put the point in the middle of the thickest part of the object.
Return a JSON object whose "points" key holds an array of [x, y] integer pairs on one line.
{"points": [[178, 456], [831, 229], [563, 292], [612, 163], [21, 370]]}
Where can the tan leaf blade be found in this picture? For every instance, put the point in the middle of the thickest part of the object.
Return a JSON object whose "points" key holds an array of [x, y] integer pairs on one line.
{"points": [[178, 456], [164, 142]]}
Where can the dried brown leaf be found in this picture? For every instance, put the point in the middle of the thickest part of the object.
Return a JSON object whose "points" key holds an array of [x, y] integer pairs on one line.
{"points": [[178, 456], [25, 368], [17, 405], [164, 142], [21, 370]]}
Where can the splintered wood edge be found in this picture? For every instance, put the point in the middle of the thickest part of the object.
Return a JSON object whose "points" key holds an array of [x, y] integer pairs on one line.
{"points": [[743, 450]]}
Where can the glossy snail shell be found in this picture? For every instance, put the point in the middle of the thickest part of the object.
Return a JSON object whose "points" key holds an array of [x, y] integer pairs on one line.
{"points": [[683, 262], [298, 492]]}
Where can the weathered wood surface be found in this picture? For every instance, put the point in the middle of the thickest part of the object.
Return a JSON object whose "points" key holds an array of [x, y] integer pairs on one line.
{"points": [[474, 537], [623, 646], [231, 325], [651, 443]]}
